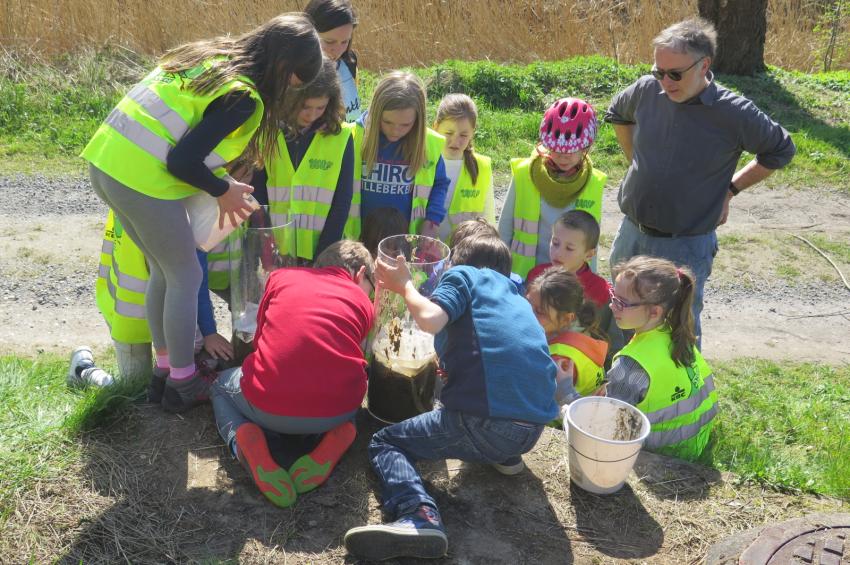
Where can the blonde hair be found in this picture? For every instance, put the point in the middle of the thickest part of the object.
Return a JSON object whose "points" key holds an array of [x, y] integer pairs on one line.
{"points": [[660, 282], [350, 255], [459, 107], [397, 91]]}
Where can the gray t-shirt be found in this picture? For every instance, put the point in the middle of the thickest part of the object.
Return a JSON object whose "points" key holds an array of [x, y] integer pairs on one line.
{"points": [[684, 154]]}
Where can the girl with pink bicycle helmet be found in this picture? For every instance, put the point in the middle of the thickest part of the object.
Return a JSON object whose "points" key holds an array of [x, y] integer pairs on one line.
{"points": [[557, 177]]}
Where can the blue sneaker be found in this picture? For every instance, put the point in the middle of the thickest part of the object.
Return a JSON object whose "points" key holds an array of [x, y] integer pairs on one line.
{"points": [[419, 534]]}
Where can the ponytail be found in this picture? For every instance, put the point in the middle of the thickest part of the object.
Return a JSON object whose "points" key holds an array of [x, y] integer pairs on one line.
{"points": [[470, 163], [680, 318], [659, 282], [561, 291]]}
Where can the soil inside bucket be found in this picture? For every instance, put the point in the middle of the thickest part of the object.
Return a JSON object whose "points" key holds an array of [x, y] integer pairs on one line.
{"points": [[628, 425]]}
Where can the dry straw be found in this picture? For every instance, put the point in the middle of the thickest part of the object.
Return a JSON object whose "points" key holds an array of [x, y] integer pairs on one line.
{"points": [[396, 33]]}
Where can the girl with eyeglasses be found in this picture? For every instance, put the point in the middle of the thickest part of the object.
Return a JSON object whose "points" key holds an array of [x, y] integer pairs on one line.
{"points": [[559, 176], [660, 371]]}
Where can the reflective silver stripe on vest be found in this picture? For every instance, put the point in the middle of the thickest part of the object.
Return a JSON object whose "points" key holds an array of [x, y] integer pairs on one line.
{"points": [[159, 110], [527, 226], [463, 216], [107, 246], [128, 282], [308, 222], [421, 191], [523, 249], [278, 193], [126, 309], [417, 213], [103, 272], [145, 138], [138, 134], [312, 194], [218, 266], [677, 435], [278, 219], [684, 406], [354, 211]]}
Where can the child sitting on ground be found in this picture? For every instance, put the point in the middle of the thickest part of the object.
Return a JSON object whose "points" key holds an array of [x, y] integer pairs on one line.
{"points": [[570, 325], [306, 374], [496, 402], [661, 371]]}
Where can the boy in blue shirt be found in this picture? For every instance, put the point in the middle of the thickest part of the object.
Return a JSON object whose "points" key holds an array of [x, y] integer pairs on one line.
{"points": [[498, 396]]}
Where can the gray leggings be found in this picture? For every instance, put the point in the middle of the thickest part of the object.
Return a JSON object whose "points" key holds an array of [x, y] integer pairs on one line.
{"points": [[161, 230]]}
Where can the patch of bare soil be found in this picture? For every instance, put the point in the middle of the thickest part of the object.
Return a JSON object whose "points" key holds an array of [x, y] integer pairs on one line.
{"points": [[158, 488]]}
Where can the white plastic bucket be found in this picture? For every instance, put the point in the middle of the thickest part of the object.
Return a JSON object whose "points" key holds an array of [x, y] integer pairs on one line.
{"points": [[604, 437]]}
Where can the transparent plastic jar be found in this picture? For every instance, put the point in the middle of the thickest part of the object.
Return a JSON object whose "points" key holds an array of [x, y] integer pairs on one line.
{"points": [[403, 369], [262, 244]]}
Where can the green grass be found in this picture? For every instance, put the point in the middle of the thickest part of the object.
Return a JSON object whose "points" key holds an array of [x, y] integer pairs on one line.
{"points": [[49, 111], [786, 426], [42, 419]]}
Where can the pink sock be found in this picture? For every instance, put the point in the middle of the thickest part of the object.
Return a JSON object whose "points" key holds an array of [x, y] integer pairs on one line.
{"points": [[180, 373], [162, 360]]}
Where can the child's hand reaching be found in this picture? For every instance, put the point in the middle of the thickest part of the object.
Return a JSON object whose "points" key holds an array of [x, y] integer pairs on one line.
{"points": [[393, 277], [218, 346]]}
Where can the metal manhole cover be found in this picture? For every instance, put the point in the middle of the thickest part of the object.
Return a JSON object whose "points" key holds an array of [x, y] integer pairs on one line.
{"points": [[822, 547], [816, 540]]}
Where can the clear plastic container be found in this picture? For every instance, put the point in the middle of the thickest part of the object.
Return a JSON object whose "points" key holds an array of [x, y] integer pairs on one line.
{"points": [[403, 369], [262, 244]]}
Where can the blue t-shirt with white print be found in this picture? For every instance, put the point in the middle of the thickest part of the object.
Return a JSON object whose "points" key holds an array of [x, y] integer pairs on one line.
{"points": [[493, 349], [390, 184]]}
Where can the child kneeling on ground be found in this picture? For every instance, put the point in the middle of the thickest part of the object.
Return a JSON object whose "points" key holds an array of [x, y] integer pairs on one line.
{"points": [[306, 375], [498, 396]]}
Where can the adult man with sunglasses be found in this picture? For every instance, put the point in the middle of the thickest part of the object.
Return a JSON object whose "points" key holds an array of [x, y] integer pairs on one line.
{"points": [[683, 134]]}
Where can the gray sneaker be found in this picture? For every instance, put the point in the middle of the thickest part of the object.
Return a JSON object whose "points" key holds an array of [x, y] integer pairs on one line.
{"points": [[83, 372], [81, 359], [418, 534], [513, 466], [184, 394]]}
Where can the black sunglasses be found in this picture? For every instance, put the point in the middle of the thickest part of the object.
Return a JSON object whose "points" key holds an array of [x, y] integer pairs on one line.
{"points": [[675, 76]]}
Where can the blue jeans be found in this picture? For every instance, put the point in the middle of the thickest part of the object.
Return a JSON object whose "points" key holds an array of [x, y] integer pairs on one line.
{"points": [[232, 409], [441, 434], [693, 251]]}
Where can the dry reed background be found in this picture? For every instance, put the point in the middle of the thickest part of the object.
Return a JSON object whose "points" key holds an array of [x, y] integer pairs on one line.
{"points": [[397, 33]]}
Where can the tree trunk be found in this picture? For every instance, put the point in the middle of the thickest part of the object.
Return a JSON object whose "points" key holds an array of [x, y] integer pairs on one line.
{"points": [[741, 27]]}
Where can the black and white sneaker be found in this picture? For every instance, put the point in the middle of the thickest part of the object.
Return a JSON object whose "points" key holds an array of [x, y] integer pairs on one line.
{"points": [[419, 534], [83, 372]]}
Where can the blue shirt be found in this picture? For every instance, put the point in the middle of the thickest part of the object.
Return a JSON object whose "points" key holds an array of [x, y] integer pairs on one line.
{"points": [[206, 316], [389, 183], [493, 349]]}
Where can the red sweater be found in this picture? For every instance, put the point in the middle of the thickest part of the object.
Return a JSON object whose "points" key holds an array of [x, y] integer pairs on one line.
{"points": [[307, 360], [596, 289]]}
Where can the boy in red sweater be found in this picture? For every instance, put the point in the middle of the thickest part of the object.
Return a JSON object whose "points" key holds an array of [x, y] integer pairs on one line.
{"points": [[306, 375]]}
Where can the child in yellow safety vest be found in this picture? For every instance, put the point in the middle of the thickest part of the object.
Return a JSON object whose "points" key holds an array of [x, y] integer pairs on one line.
{"points": [[310, 178], [206, 104], [470, 192], [661, 371], [401, 162], [558, 301], [558, 177], [120, 295]]}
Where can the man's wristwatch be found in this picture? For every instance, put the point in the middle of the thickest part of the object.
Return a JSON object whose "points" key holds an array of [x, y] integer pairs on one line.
{"points": [[734, 189]]}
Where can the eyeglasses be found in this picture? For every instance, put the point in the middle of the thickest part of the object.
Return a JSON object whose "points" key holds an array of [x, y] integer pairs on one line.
{"points": [[675, 76], [619, 304], [372, 282]]}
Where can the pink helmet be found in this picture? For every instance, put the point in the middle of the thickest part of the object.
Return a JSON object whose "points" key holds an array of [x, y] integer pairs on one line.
{"points": [[568, 126]]}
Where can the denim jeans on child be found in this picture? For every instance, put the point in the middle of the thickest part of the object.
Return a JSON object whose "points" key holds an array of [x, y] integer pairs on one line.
{"points": [[232, 410], [441, 434], [693, 251]]}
